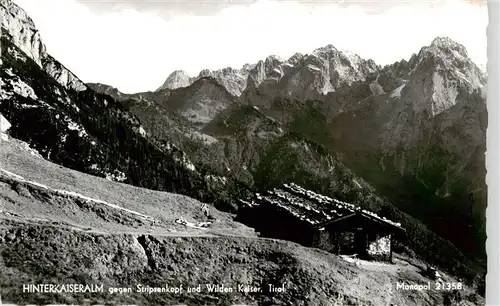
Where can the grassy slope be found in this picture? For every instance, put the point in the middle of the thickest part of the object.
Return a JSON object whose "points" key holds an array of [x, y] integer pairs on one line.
{"points": [[40, 233], [163, 206]]}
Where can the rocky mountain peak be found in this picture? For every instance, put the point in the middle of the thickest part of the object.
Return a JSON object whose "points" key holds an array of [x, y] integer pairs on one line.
{"points": [[443, 70], [234, 80], [445, 43], [435, 87], [205, 73], [177, 79], [296, 58], [247, 67], [273, 60], [308, 76], [22, 29], [202, 101], [329, 68], [24, 35], [445, 53], [328, 48], [229, 71], [339, 67]]}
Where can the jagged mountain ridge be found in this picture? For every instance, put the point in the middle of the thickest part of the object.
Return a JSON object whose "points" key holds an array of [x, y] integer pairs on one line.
{"points": [[324, 70], [234, 80], [312, 76]]}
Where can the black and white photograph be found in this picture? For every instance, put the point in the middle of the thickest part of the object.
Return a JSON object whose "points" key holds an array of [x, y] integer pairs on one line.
{"points": [[269, 152]]}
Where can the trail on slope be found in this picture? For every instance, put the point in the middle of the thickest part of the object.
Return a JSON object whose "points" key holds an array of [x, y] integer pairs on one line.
{"points": [[179, 228], [73, 194]]}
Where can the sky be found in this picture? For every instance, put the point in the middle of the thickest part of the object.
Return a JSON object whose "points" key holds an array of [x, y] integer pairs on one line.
{"points": [[135, 45]]}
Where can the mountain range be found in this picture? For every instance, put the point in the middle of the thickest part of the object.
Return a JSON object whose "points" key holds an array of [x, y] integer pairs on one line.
{"points": [[414, 130], [413, 133], [407, 140]]}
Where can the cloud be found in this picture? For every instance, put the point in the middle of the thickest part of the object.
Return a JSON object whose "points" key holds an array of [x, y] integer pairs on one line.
{"points": [[166, 9], [135, 48], [206, 8]]}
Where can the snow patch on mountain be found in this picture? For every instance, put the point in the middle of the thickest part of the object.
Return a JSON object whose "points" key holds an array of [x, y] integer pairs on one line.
{"points": [[312, 67]]}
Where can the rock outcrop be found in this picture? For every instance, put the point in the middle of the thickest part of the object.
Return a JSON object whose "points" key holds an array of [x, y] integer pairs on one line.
{"points": [[234, 80], [176, 79], [28, 39]]}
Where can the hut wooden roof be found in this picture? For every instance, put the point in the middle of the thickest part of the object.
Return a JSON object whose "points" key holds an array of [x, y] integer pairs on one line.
{"points": [[311, 207]]}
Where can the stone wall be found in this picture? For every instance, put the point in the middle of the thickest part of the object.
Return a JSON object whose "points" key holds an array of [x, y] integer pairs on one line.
{"points": [[380, 246]]}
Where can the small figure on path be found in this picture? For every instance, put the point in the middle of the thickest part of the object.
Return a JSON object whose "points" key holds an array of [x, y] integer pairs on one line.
{"points": [[205, 210]]}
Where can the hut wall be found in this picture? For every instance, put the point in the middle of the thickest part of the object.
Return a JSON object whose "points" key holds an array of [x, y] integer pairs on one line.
{"points": [[274, 223], [338, 242], [324, 240], [344, 243], [380, 246]]}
